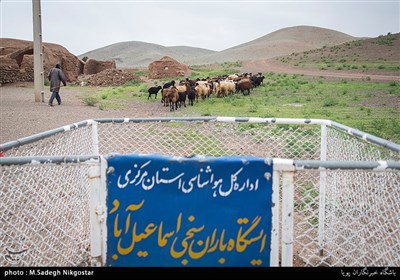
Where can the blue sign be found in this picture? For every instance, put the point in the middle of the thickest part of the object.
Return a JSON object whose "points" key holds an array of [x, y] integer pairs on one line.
{"points": [[198, 211]]}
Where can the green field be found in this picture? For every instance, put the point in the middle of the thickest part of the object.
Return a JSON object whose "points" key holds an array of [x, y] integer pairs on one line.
{"points": [[372, 107]]}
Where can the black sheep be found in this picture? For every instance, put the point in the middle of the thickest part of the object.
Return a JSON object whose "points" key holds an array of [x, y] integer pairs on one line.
{"points": [[153, 90], [191, 93], [168, 85], [182, 99]]}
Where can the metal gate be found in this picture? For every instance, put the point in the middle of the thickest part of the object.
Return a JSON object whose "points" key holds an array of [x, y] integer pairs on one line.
{"points": [[336, 189]]}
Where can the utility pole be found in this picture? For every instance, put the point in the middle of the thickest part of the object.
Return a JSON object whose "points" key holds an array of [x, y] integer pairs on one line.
{"points": [[38, 51]]}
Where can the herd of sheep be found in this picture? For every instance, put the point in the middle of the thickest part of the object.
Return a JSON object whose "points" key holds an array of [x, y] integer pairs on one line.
{"points": [[175, 95]]}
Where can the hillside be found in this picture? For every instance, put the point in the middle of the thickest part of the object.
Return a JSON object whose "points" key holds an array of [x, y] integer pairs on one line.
{"points": [[308, 36], [282, 42], [380, 55], [135, 54]]}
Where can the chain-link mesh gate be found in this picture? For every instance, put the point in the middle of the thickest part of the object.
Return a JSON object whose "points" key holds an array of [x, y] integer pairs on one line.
{"points": [[40, 198], [44, 215], [361, 219], [44, 218]]}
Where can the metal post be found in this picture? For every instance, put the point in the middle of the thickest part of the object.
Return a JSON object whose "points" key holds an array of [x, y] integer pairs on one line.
{"points": [[287, 217], [274, 256], [37, 51], [97, 207], [96, 212], [95, 138], [322, 194], [103, 201]]}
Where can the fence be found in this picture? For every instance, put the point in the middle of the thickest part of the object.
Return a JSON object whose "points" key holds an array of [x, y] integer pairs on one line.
{"points": [[337, 195]]}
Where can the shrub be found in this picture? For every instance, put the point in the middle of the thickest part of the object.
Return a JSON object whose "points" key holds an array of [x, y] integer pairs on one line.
{"points": [[90, 100]]}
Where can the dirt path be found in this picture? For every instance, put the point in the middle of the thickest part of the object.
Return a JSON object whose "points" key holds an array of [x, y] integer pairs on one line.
{"points": [[274, 66], [21, 116]]}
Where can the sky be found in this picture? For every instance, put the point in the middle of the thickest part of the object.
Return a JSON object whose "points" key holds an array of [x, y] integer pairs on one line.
{"points": [[83, 26]]}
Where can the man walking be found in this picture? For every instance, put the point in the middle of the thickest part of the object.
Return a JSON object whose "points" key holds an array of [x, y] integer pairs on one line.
{"points": [[56, 76]]}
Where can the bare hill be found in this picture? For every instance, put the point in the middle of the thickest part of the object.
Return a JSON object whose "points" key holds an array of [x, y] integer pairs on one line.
{"points": [[282, 42], [285, 41], [308, 36], [135, 54]]}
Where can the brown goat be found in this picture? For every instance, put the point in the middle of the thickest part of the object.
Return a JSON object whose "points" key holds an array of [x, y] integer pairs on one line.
{"points": [[171, 96], [244, 85]]}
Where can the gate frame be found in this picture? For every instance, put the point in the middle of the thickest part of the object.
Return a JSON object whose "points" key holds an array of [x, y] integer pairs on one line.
{"points": [[282, 167]]}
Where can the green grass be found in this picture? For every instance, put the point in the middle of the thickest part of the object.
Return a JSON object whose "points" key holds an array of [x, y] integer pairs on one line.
{"points": [[374, 55], [215, 70], [351, 65], [364, 105]]}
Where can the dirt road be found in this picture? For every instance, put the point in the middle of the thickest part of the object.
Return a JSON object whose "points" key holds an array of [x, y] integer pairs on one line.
{"points": [[272, 65]]}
